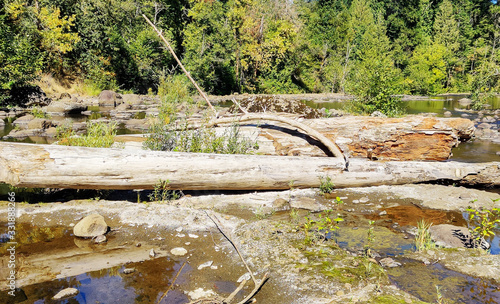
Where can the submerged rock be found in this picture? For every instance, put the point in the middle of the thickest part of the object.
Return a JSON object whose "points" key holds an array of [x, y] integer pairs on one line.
{"points": [[65, 293], [389, 262], [451, 236], [178, 251], [91, 226]]}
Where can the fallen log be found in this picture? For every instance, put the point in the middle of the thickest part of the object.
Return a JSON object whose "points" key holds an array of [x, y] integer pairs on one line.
{"points": [[52, 166]]}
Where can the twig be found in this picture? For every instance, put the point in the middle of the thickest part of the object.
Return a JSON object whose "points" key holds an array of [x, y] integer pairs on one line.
{"points": [[239, 106], [230, 241], [173, 282], [180, 64]]}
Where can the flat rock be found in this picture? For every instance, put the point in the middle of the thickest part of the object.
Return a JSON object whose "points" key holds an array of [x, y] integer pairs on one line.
{"points": [[178, 251], [91, 226], [65, 107], [40, 123], [201, 293], [307, 203], [465, 101], [281, 204], [389, 263], [450, 236], [65, 293]]}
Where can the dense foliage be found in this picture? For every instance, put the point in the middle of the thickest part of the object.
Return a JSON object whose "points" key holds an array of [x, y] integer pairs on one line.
{"points": [[370, 48]]}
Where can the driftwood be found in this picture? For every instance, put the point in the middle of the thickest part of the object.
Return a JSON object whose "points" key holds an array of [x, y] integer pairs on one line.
{"points": [[51, 166]]}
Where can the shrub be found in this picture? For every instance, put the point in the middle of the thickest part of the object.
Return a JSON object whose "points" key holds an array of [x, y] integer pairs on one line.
{"points": [[99, 135]]}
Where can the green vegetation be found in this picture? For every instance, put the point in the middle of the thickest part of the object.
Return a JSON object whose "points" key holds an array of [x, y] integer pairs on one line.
{"points": [[98, 135], [370, 238], [39, 113], [169, 134], [162, 192], [326, 184], [373, 49], [423, 240], [483, 222], [318, 228]]}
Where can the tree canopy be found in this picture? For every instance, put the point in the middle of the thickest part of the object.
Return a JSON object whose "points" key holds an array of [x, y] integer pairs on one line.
{"points": [[370, 48]]}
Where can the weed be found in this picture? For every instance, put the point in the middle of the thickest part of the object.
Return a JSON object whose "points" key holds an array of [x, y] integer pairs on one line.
{"points": [[98, 135], [294, 214], [162, 192], [482, 223], [260, 213], [339, 202], [370, 238], [423, 240], [39, 113], [326, 184], [319, 229]]}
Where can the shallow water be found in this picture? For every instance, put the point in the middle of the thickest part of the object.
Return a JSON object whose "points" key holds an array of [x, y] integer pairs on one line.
{"points": [[421, 281]]}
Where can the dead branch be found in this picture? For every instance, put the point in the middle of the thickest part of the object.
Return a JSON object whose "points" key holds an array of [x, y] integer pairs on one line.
{"points": [[258, 283], [180, 64], [173, 282]]}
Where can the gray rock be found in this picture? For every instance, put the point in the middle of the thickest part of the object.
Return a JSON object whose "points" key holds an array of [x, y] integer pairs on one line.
{"points": [[65, 293], [100, 239], [281, 204], [465, 115], [39, 123], [307, 203], [23, 121], [109, 98], [465, 101], [451, 236], [484, 126], [65, 107], [128, 270], [91, 226], [378, 114], [447, 114], [152, 253], [389, 263]]}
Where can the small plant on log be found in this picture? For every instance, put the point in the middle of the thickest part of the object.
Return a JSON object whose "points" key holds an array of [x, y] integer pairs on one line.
{"points": [[326, 184]]}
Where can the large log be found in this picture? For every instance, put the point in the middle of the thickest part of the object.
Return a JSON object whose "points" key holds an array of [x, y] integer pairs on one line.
{"points": [[51, 166]]}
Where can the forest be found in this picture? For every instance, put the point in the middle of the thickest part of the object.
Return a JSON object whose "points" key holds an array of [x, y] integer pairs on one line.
{"points": [[370, 48]]}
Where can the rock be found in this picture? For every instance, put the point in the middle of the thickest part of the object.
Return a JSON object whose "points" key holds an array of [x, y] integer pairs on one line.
{"points": [[51, 132], [465, 115], [451, 236], [109, 98], [447, 114], [91, 226], [307, 203], [205, 265], [389, 263], [382, 213], [23, 121], [39, 123], [65, 107], [64, 95], [281, 204], [193, 236], [131, 99], [137, 124], [100, 239], [498, 153], [484, 126], [364, 200], [255, 104], [152, 253], [179, 251], [378, 114], [465, 101], [65, 293], [128, 270], [245, 276], [28, 96], [201, 293]]}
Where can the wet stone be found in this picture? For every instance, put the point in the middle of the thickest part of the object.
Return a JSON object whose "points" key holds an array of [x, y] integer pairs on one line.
{"points": [[91, 226], [389, 263], [128, 270], [179, 251], [451, 236], [65, 293], [100, 239]]}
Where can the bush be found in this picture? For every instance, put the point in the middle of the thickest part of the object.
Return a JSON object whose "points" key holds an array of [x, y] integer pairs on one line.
{"points": [[99, 135]]}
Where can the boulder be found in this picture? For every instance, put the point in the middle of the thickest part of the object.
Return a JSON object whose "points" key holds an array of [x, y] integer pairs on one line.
{"points": [[23, 121], [450, 236], [91, 226], [110, 98], [65, 107], [39, 123], [307, 203], [465, 101]]}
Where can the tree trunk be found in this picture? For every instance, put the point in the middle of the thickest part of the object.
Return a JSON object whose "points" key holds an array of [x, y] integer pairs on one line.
{"points": [[52, 166]]}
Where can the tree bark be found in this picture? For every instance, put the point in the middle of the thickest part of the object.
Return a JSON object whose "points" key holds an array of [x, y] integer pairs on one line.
{"points": [[52, 166]]}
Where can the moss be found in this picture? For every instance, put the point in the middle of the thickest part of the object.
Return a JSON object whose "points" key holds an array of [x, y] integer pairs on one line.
{"points": [[390, 299]]}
